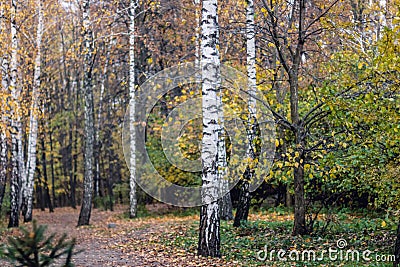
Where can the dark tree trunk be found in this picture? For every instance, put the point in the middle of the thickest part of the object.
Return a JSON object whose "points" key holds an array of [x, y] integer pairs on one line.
{"points": [[41, 198], [243, 208], [72, 181], [86, 208], [299, 227], [110, 191], [53, 190], [226, 207], [46, 197], [109, 181], [44, 167], [39, 192], [14, 184]]}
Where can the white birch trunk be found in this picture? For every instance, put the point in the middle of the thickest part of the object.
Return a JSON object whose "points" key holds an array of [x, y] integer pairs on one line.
{"points": [[15, 123], [197, 30], [3, 163], [244, 197], [251, 75], [33, 124], [132, 127], [21, 163], [209, 237], [4, 120], [3, 134], [382, 22], [99, 120], [86, 208]]}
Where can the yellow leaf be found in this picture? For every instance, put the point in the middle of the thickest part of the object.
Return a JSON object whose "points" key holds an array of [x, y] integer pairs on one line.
{"points": [[276, 142], [263, 10], [383, 224]]}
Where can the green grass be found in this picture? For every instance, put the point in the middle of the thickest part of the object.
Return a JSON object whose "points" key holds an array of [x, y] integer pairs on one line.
{"points": [[361, 232]]}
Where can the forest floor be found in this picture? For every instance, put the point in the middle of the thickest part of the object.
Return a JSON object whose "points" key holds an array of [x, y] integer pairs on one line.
{"points": [[163, 237], [113, 240]]}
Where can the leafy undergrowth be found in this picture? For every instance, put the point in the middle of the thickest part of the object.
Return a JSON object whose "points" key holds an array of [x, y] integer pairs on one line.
{"points": [[159, 239], [352, 240]]}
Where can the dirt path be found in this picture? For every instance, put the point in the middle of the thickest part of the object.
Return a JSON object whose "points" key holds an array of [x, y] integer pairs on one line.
{"points": [[127, 243]]}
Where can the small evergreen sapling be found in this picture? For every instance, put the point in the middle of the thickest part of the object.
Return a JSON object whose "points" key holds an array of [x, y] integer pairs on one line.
{"points": [[33, 249]]}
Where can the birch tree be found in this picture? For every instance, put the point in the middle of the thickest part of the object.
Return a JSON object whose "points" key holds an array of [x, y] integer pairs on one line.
{"points": [[132, 129], [209, 237], [86, 208], [3, 161], [225, 202], [244, 196], [33, 124], [3, 123], [3, 133], [15, 123]]}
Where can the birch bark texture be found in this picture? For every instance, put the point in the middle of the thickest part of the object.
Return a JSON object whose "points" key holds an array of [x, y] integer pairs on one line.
{"points": [[4, 120], [33, 124], [132, 114], [86, 208], [15, 95], [209, 232], [244, 195]]}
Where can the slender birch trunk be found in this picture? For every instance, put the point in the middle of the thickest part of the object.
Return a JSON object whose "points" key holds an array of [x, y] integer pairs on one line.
{"points": [[3, 162], [245, 197], [225, 203], [132, 128], [33, 124], [209, 232], [4, 120], [21, 165], [3, 133], [86, 208], [382, 22], [15, 123], [197, 36]]}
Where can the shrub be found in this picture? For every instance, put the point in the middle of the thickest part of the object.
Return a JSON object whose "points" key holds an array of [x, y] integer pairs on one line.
{"points": [[33, 249]]}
